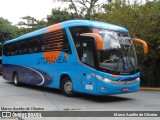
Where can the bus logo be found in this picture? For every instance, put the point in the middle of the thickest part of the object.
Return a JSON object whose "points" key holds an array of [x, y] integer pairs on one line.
{"points": [[6, 114]]}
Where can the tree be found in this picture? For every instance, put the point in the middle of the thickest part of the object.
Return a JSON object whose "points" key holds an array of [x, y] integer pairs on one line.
{"points": [[142, 20], [83, 9], [58, 15], [7, 31], [29, 24], [28, 21], [86, 7]]}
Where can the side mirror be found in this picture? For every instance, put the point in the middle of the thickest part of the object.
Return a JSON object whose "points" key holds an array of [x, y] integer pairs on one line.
{"points": [[97, 38], [145, 46]]}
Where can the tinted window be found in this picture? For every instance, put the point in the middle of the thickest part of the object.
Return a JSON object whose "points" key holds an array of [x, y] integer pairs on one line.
{"points": [[56, 41], [21, 47], [75, 32], [27, 46], [88, 51], [14, 49], [0, 49], [33, 46]]}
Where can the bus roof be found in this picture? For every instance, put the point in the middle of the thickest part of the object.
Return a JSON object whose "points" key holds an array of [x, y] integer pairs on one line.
{"points": [[70, 23]]}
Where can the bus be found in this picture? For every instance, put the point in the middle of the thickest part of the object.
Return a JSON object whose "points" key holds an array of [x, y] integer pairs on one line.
{"points": [[76, 56], [0, 59]]}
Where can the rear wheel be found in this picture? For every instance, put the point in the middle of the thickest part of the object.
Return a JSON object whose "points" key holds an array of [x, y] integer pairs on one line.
{"points": [[16, 80], [67, 87]]}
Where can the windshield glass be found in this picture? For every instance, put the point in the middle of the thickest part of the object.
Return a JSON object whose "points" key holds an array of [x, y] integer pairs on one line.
{"points": [[118, 55]]}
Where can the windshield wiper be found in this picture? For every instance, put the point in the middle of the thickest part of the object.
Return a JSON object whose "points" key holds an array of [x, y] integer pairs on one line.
{"points": [[131, 63], [127, 57], [120, 58]]}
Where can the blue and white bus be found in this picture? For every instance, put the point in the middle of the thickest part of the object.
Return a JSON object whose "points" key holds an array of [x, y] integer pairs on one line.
{"points": [[80, 56]]}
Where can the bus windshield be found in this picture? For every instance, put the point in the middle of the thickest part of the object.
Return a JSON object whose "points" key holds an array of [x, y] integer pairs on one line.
{"points": [[118, 54]]}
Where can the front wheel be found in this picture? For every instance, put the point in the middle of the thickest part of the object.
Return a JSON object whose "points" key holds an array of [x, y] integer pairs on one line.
{"points": [[15, 80], [67, 87]]}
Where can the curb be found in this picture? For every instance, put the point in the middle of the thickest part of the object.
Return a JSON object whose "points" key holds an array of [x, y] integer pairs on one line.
{"points": [[150, 88]]}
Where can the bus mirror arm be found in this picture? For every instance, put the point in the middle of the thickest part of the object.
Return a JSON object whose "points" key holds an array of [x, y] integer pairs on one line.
{"points": [[97, 38], [145, 46]]}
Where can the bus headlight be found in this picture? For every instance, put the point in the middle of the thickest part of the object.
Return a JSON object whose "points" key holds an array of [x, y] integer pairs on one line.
{"points": [[101, 78], [137, 79], [107, 80], [119, 82]]}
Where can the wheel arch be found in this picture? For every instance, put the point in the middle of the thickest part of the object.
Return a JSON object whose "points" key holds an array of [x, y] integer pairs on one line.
{"points": [[62, 77], [63, 82], [13, 74]]}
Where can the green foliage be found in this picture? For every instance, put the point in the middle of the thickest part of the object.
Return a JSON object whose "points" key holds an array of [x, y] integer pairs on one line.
{"points": [[7, 31], [83, 9], [58, 15], [29, 24], [143, 21]]}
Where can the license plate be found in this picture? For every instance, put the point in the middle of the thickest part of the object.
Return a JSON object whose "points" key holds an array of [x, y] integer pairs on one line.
{"points": [[125, 89]]}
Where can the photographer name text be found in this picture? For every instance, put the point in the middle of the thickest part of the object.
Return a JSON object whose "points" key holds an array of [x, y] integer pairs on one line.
{"points": [[22, 109]]}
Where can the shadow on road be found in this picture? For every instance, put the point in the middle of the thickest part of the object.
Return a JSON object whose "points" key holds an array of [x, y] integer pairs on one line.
{"points": [[93, 98], [103, 99]]}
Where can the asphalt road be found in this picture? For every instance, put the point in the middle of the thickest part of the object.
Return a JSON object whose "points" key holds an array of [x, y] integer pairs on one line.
{"points": [[53, 100]]}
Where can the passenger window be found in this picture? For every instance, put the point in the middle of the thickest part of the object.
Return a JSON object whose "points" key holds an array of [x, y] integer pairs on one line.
{"points": [[33, 46], [14, 49], [56, 41], [88, 52], [6, 50], [66, 46], [22, 47], [75, 32]]}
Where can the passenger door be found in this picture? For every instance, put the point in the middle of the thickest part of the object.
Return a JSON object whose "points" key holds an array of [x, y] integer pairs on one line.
{"points": [[88, 65]]}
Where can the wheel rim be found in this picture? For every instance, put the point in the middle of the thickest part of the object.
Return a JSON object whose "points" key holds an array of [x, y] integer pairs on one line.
{"points": [[15, 80], [68, 87]]}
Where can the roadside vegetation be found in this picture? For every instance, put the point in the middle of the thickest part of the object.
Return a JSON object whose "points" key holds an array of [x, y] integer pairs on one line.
{"points": [[141, 19]]}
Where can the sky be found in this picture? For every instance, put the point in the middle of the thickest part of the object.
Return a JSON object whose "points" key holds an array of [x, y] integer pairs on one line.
{"points": [[13, 10]]}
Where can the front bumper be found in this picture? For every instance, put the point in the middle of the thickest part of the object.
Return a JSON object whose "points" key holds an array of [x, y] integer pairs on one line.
{"points": [[110, 89]]}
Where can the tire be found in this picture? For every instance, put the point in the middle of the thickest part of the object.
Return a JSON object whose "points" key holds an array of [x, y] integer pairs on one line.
{"points": [[15, 80], [67, 87]]}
